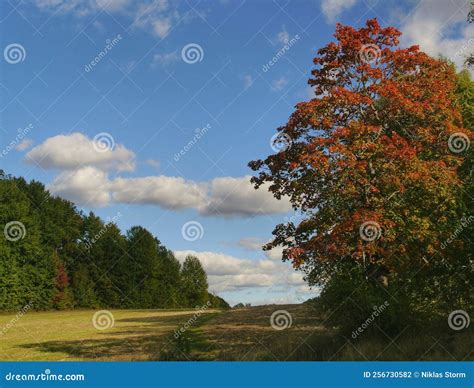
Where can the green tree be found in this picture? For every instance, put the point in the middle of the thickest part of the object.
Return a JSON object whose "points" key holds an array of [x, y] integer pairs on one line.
{"points": [[194, 282]]}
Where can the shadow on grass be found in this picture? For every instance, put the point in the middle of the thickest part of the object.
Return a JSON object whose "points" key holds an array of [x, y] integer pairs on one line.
{"points": [[147, 340]]}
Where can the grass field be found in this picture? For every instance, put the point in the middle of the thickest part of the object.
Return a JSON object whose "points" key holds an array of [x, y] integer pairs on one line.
{"points": [[244, 334]]}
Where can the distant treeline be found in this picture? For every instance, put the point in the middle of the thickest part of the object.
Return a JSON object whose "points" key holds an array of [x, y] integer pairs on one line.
{"points": [[54, 256]]}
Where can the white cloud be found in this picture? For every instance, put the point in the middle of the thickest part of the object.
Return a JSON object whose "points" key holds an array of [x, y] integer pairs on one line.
{"points": [[68, 152], [165, 58], [168, 192], [256, 244], [283, 37], [153, 163], [251, 243], [112, 5], [223, 197], [85, 186], [431, 27], [231, 196], [156, 16], [227, 273], [248, 81], [332, 9], [161, 27], [279, 84], [82, 8], [24, 144]]}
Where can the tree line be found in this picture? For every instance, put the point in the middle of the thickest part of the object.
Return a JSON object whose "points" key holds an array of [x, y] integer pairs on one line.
{"points": [[54, 256]]}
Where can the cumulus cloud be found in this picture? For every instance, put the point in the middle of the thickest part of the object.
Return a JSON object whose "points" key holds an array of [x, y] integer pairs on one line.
{"points": [[227, 273], [24, 144], [168, 192], [236, 196], [85, 186], [225, 197], [431, 27], [332, 9], [73, 151]]}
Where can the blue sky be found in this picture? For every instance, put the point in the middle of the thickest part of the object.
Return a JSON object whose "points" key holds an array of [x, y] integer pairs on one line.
{"points": [[146, 99]]}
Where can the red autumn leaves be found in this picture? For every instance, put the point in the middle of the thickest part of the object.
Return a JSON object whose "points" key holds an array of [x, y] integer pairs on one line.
{"points": [[370, 147]]}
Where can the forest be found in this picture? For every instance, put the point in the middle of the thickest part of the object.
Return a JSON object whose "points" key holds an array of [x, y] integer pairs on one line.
{"points": [[56, 257]]}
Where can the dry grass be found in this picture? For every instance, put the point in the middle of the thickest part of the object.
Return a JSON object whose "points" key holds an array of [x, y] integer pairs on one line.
{"points": [[71, 335], [245, 334]]}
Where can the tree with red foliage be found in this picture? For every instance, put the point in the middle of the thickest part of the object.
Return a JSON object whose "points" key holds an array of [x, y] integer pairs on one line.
{"points": [[371, 162]]}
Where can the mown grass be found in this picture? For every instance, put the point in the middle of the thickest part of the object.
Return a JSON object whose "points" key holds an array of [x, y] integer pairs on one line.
{"points": [[71, 335], [244, 334]]}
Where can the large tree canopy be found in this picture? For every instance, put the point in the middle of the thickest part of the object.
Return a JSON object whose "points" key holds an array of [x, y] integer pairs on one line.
{"points": [[371, 161]]}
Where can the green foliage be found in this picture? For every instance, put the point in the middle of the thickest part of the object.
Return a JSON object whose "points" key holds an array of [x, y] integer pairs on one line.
{"points": [[194, 281], [67, 259]]}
